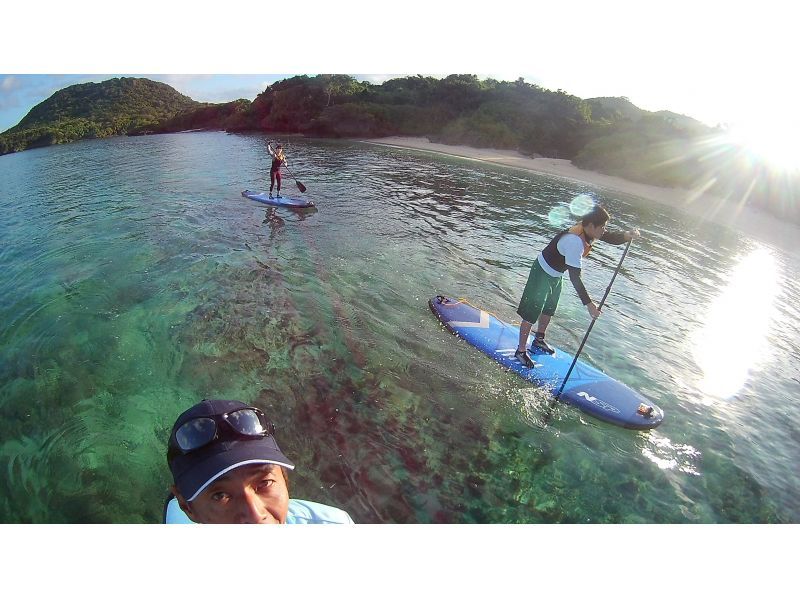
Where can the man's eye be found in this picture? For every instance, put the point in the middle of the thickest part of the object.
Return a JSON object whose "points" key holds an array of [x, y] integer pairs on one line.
{"points": [[219, 496], [265, 483]]}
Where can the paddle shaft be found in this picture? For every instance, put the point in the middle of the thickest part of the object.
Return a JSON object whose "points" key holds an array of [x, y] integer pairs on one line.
{"points": [[300, 185], [586, 336]]}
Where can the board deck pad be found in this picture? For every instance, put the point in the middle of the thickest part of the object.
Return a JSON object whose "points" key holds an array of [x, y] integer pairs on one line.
{"points": [[587, 388], [291, 202]]}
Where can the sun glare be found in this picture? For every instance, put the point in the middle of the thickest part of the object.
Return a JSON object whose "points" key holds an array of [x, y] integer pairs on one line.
{"points": [[734, 338], [774, 142]]}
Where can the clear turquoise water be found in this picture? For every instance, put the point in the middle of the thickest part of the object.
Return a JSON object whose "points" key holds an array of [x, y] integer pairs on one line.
{"points": [[136, 281]]}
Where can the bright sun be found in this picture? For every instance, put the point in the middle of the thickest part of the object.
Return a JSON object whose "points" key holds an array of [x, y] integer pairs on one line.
{"points": [[774, 142]]}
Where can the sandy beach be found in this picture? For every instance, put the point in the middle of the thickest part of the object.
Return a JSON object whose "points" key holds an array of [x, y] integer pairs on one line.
{"points": [[750, 221]]}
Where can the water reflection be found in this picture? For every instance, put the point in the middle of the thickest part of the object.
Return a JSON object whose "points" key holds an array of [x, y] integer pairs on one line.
{"points": [[669, 455], [136, 309], [734, 337]]}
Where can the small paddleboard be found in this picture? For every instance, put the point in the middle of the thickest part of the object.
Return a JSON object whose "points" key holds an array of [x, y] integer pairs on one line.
{"points": [[291, 202], [587, 388]]}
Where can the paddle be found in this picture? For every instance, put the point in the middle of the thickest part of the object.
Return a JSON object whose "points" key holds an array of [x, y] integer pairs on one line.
{"points": [[586, 336], [300, 185]]}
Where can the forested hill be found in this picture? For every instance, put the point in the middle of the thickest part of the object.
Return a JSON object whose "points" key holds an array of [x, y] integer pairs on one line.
{"points": [[455, 109], [90, 110]]}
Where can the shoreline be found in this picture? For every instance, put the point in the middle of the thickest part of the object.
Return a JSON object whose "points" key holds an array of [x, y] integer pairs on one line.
{"points": [[756, 224]]}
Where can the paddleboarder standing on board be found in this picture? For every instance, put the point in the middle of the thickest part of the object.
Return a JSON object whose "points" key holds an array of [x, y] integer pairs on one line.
{"points": [[278, 160], [543, 289]]}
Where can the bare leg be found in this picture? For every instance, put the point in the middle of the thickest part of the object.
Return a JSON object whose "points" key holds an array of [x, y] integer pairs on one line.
{"points": [[524, 333], [544, 322], [539, 341]]}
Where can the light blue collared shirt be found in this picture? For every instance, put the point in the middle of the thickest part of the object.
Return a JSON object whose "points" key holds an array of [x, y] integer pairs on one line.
{"points": [[300, 511]]}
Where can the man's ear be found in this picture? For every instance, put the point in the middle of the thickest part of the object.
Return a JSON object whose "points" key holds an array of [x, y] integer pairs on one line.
{"points": [[183, 503]]}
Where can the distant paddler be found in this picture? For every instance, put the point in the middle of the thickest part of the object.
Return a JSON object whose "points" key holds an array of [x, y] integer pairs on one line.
{"points": [[278, 160], [543, 289]]}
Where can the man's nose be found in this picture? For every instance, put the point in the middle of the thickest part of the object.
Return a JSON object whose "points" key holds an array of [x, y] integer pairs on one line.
{"points": [[252, 510]]}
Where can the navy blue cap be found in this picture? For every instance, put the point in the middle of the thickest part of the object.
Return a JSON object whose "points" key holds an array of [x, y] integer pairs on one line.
{"points": [[193, 472]]}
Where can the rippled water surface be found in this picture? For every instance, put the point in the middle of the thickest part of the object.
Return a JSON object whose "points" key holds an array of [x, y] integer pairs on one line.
{"points": [[136, 281]]}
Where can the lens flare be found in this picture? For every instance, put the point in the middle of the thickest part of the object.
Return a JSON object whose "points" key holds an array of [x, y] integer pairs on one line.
{"points": [[581, 204], [559, 217], [734, 338]]}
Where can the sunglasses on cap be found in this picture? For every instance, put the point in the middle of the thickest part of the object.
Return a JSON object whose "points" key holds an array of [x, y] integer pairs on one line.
{"points": [[244, 423]]}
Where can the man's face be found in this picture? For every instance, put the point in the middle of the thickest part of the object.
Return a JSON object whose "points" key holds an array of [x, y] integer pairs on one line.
{"points": [[249, 494], [595, 232]]}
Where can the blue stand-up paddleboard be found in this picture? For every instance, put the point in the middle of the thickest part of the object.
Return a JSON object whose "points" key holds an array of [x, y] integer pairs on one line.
{"points": [[587, 388], [291, 202]]}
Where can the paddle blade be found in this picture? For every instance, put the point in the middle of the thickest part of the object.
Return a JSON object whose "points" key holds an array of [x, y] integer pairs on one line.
{"points": [[301, 186]]}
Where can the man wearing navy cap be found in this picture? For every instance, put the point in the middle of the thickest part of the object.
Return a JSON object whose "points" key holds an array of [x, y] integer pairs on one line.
{"points": [[227, 467]]}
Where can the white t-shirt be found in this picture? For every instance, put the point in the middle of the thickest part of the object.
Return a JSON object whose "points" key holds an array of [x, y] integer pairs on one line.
{"points": [[571, 247]]}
